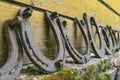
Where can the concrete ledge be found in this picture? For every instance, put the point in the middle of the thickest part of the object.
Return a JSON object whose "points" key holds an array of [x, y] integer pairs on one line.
{"points": [[103, 68], [112, 73]]}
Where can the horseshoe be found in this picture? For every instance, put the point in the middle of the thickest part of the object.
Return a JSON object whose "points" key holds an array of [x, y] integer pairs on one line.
{"points": [[32, 51], [115, 38], [118, 39], [100, 52], [77, 56], [107, 40], [112, 37], [13, 66]]}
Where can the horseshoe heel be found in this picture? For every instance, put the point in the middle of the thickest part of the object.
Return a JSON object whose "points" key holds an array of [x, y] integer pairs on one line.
{"points": [[107, 40], [13, 66], [32, 51], [100, 52], [78, 57]]}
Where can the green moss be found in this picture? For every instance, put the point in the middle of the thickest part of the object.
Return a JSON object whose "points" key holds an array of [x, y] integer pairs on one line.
{"points": [[30, 79], [31, 70], [88, 73], [114, 54], [63, 74], [93, 72], [106, 77]]}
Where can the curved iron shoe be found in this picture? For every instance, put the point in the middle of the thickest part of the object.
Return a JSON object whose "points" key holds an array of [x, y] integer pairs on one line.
{"points": [[32, 51], [78, 57], [115, 38], [13, 66], [100, 52], [107, 40], [112, 37], [118, 38]]}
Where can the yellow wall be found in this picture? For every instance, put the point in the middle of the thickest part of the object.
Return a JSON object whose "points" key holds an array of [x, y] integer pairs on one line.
{"points": [[115, 4], [75, 8]]}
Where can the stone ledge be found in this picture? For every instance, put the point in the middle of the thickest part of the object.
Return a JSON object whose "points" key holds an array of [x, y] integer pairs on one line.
{"points": [[107, 65], [112, 73]]}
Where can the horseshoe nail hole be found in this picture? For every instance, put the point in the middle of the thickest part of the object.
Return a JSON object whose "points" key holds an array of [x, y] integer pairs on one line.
{"points": [[64, 23], [27, 12], [45, 65], [54, 15], [82, 22]]}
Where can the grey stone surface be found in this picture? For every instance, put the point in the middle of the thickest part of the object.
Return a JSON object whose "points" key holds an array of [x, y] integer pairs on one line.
{"points": [[114, 59], [118, 73], [112, 73]]}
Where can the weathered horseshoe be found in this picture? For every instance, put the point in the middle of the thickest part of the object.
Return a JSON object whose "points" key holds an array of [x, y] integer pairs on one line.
{"points": [[107, 40], [100, 52], [32, 51], [118, 38], [112, 37], [77, 56], [115, 38], [117, 35], [13, 66]]}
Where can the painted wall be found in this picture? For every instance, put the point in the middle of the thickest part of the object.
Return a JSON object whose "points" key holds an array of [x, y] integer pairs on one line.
{"points": [[77, 7]]}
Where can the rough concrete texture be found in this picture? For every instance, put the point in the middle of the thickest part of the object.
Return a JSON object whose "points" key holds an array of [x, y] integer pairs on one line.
{"points": [[117, 65], [118, 73], [113, 59], [112, 73]]}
